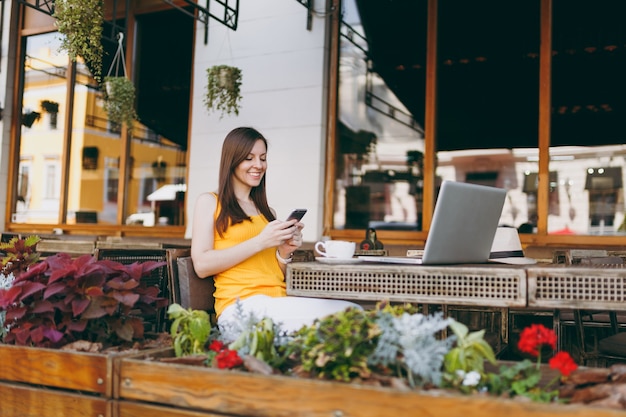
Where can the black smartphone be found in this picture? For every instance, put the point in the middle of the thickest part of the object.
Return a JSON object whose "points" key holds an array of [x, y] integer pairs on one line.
{"points": [[297, 214]]}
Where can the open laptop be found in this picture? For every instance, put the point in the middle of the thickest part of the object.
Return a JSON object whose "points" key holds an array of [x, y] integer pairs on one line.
{"points": [[463, 227]]}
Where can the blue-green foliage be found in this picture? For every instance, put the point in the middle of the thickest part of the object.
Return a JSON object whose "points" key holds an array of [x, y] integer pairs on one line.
{"points": [[409, 344]]}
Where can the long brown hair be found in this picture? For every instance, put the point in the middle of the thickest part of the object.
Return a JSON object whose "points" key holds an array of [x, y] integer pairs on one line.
{"points": [[236, 148]]}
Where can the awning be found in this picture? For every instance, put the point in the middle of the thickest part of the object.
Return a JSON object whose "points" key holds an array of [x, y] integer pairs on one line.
{"points": [[167, 192]]}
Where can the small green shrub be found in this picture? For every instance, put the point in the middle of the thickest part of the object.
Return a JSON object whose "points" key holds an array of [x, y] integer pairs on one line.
{"points": [[190, 330]]}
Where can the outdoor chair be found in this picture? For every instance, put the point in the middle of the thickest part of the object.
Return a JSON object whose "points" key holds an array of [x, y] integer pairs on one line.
{"points": [[186, 288], [599, 338], [597, 335], [567, 332]]}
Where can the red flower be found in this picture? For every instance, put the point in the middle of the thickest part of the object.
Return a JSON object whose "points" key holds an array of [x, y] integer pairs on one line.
{"points": [[534, 336], [216, 346], [228, 359], [563, 362]]}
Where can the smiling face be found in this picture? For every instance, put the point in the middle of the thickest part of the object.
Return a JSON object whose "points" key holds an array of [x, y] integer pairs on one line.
{"points": [[251, 170]]}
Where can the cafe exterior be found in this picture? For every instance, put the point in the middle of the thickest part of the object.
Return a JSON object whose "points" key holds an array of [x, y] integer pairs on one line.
{"points": [[367, 109]]}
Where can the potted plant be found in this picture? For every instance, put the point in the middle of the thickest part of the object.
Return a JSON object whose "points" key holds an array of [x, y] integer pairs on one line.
{"points": [[80, 22], [223, 89], [71, 319], [61, 300], [119, 91], [394, 358], [119, 100], [30, 117], [50, 106]]}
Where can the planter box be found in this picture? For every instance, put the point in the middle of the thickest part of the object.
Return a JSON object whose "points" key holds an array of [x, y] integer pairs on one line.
{"points": [[79, 371], [19, 400], [137, 409], [243, 394]]}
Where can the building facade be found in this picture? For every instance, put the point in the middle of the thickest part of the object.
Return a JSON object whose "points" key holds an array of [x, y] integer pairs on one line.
{"points": [[367, 107]]}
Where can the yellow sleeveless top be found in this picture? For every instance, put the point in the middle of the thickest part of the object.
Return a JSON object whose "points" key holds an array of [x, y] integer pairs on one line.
{"points": [[259, 274]]}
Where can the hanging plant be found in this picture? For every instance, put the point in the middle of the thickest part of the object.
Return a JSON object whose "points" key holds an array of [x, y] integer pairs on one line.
{"points": [[119, 92], [30, 117], [223, 92], [80, 22], [119, 100]]}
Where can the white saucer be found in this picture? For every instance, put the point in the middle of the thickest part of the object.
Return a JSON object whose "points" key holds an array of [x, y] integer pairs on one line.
{"points": [[325, 260]]}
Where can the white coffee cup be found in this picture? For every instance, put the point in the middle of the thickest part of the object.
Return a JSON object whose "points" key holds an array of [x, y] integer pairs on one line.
{"points": [[339, 249]]}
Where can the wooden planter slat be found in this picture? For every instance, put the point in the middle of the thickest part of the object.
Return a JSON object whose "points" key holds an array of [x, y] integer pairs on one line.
{"points": [[19, 400], [80, 371], [137, 409], [245, 394]]}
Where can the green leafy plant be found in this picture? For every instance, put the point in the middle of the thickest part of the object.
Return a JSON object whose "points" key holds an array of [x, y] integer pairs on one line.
{"points": [[190, 330], [392, 345], [470, 352], [223, 89], [354, 343], [119, 100], [464, 363], [250, 336], [337, 346], [81, 22], [20, 254], [62, 300], [259, 341]]}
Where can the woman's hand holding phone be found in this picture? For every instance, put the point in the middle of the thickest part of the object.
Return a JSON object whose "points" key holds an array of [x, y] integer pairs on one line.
{"points": [[296, 238]]}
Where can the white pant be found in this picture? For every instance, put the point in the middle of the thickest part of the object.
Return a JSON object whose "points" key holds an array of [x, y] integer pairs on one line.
{"points": [[291, 312]]}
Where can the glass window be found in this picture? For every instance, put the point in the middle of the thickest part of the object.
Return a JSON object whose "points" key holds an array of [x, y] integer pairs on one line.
{"points": [[39, 177], [89, 160], [588, 108], [156, 183], [380, 136], [93, 148], [51, 181], [487, 94]]}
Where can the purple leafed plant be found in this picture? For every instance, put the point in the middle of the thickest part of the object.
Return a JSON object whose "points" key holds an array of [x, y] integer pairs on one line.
{"points": [[61, 300]]}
